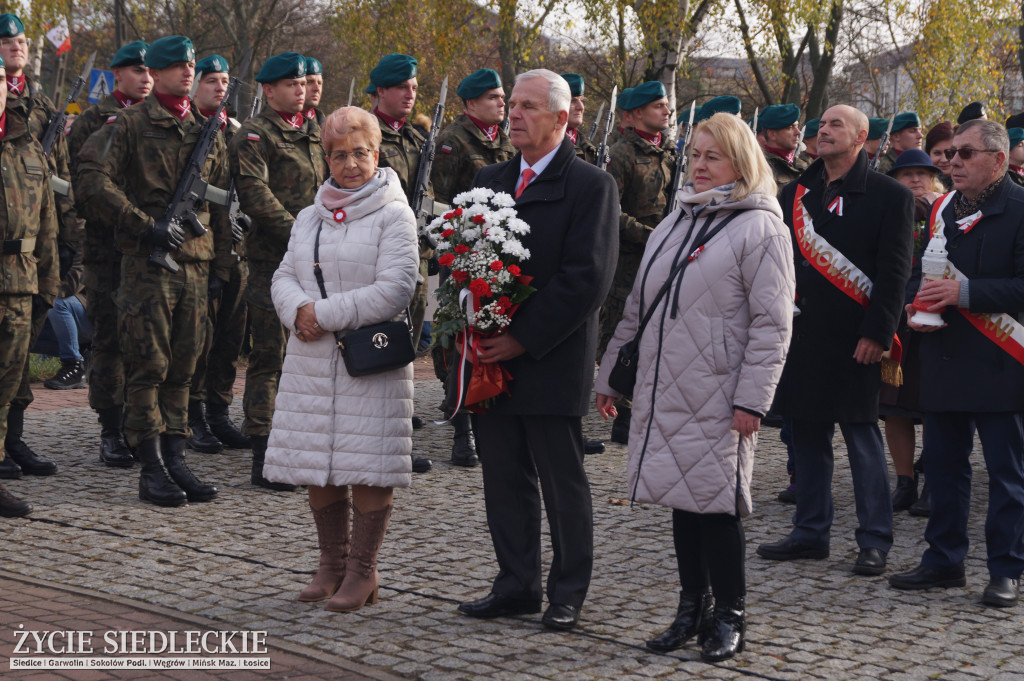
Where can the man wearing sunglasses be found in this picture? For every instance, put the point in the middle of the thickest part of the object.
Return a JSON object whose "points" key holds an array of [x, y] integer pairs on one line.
{"points": [[972, 368]]}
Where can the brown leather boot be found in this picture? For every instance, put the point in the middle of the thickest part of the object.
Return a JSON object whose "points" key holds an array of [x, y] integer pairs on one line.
{"points": [[332, 535], [361, 578]]}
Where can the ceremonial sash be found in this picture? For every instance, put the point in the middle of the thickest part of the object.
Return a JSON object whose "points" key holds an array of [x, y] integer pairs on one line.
{"points": [[1000, 328]]}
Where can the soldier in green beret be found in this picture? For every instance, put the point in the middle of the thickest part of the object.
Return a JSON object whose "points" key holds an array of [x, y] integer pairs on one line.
{"points": [[585, 149], [1016, 158], [780, 127], [810, 153], [625, 119], [26, 98], [314, 90], [28, 230], [876, 130], [906, 134], [642, 168], [102, 261], [131, 168], [278, 165]]}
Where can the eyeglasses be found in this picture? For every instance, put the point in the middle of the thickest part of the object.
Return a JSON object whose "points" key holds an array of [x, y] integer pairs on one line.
{"points": [[358, 155], [965, 152]]}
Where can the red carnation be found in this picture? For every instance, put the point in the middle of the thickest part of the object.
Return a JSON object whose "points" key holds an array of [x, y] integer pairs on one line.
{"points": [[496, 265], [448, 216], [457, 212], [446, 260], [514, 270], [480, 288], [462, 248], [479, 219], [447, 233], [459, 275], [505, 301]]}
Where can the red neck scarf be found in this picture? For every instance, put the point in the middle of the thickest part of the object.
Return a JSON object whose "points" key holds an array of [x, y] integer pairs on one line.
{"points": [[223, 116], [653, 138], [295, 120], [814, 156], [310, 113], [124, 100], [16, 85], [572, 133], [491, 131], [3, 125], [179, 107], [788, 155], [394, 123], [1017, 169]]}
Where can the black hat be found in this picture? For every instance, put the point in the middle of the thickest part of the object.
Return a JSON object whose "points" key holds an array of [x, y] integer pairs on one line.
{"points": [[970, 112], [913, 158], [1015, 121]]}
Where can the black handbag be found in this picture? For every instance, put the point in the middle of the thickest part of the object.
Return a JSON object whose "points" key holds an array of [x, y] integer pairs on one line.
{"points": [[370, 349]]}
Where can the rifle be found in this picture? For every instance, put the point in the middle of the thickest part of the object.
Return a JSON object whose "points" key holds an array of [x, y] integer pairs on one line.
{"points": [[883, 144], [423, 207], [753, 124], [191, 192], [59, 119], [351, 91], [593, 126], [602, 150], [796, 154], [240, 222], [505, 123], [680, 170]]}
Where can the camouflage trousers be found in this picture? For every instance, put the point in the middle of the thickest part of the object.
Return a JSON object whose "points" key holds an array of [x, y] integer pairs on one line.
{"points": [[418, 306], [214, 379], [24, 395], [15, 341], [162, 317], [269, 338], [106, 369], [611, 310]]}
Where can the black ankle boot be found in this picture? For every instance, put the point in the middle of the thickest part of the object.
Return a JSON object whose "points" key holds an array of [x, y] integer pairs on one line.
{"points": [[223, 429], [728, 628], [463, 446], [173, 449], [259, 451], [21, 453], [71, 376], [620, 426], [113, 450], [693, 617], [154, 485], [922, 508], [905, 494], [201, 440]]}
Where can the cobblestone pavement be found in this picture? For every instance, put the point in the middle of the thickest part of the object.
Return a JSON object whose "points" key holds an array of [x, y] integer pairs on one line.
{"points": [[240, 561]]}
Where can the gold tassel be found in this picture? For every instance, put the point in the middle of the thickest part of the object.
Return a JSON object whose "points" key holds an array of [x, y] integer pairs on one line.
{"points": [[892, 374]]}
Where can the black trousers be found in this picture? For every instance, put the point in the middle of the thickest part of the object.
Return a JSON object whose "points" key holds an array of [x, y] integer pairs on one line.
{"points": [[516, 453], [710, 551]]}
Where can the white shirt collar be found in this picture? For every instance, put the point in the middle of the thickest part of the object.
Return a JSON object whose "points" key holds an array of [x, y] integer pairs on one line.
{"points": [[537, 167]]}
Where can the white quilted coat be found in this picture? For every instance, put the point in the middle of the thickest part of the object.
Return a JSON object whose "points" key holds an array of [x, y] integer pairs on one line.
{"points": [[726, 346], [331, 428]]}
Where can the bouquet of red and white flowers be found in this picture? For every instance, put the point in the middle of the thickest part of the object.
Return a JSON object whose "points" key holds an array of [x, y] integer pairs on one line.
{"points": [[478, 240]]}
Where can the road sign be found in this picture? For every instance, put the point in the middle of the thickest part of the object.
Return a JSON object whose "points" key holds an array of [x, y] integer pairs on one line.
{"points": [[100, 83]]}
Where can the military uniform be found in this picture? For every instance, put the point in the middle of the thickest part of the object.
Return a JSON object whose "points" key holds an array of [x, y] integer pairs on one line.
{"points": [[784, 171], [887, 161], [585, 149], [277, 170], [463, 149]]}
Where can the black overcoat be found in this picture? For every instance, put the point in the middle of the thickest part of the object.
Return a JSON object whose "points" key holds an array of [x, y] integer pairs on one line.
{"points": [[821, 381], [572, 208], [961, 369]]}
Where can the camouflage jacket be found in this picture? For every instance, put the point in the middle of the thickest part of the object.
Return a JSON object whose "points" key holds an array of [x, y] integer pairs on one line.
{"points": [[463, 149], [400, 151], [130, 169], [585, 149], [784, 171], [28, 217], [278, 170], [1015, 177], [644, 175], [887, 161]]}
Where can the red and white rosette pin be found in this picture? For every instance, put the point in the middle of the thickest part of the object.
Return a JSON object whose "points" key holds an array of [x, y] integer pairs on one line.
{"points": [[339, 215]]}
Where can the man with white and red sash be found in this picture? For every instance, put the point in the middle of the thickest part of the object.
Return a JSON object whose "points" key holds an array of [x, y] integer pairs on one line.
{"points": [[972, 368], [852, 242]]}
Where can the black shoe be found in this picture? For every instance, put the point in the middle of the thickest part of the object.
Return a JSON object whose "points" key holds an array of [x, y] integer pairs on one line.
{"points": [[201, 440], [173, 449], [593, 447], [495, 605], [560, 616], [259, 451], [70, 376], [11, 506], [788, 495], [21, 453], [154, 484], [791, 549], [1001, 592], [420, 465], [922, 508], [727, 632], [905, 494], [223, 429], [113, 450], [693, 618], [463, 445], [620, 426], [923, 577], [9, 470], [869, 562], [417, 423]]}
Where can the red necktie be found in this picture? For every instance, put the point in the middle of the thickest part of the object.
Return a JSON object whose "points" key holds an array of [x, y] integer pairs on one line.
{"points": [[528, 175]]}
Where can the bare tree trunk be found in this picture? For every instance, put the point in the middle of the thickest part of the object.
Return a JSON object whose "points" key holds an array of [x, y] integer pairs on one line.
{"points": [[822, 70], [755, 65]]}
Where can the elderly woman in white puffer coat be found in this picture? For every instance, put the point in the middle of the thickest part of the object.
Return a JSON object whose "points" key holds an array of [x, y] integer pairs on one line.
{"points": [[708, 364], [331, 430]]}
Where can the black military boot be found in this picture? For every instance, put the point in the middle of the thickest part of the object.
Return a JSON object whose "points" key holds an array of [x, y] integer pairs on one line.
{"points": [[70, 376], [463, 446], [259, 451], [154, 484], [725, 637], [113, 450], [173, 449], [27, 460], [223, 429], [620, 426], [201, 440]]}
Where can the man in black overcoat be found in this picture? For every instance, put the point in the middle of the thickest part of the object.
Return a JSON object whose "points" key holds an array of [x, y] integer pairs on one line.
{"points": [[535, 433], [972, 374], [851, 270]]}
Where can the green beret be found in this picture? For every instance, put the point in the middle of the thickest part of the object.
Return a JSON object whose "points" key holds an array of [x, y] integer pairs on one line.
{"points": [[10, 26], [370, 89], [778, 116], [168, 51], [905, 120], [314, 67], [623, 99], [645, 93], [575, 82], [132, 54], [393, 69], [725, 103], [212, 64], [477, 83], [1016, 136], [811, 128], [280, 66], [876, 128]]}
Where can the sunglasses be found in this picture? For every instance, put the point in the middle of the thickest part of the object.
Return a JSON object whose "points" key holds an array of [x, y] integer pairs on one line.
{"points": [[965, 152]]}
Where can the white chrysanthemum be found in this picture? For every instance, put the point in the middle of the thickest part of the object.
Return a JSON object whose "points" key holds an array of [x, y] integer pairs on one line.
{"points": [[506, 213], [503, 200], [525, 255], [436, 223], [518, 226], [442, 245], [462, 199], [496, 234], [471, 234], [513, 248]]}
